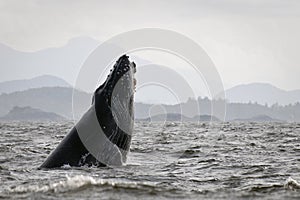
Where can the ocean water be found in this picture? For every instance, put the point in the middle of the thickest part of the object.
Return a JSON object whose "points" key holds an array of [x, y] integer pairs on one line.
{"points": [[167, 161]]}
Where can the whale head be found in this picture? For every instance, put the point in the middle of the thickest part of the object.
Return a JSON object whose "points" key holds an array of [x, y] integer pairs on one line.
{"points": [[113, 102]]}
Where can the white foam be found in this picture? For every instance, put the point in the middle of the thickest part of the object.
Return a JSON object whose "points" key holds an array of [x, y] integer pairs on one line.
{"points": [[71, 183], [74, 183], [66, 166], [291, 184]]}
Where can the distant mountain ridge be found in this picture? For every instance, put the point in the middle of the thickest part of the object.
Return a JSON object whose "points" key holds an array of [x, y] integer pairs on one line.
{"points": [[30, 114], [239, 111], [55, 61], [50, 99], [36, 82], [60, 100], [262, 93]]}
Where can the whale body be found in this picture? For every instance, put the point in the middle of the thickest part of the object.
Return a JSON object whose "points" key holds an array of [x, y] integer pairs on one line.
{"points": [[102, 136]]}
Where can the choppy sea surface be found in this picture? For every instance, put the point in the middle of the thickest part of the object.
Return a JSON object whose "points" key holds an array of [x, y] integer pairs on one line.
{"points": [[167, 161]]}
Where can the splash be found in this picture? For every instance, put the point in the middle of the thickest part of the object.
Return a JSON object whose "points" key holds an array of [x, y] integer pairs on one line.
{"points": [[292, 184]]}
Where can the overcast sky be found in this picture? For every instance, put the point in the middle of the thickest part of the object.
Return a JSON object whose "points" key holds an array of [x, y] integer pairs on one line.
{"points": [[249, 40]]}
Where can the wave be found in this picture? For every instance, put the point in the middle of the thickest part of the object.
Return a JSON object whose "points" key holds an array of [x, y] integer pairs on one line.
{"points": [[76, 183], [292, 184]]}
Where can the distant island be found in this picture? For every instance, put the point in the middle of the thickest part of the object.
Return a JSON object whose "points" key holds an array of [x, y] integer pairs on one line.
{"points": [[234, 111], [172, 117], [259, 118], [30, 114]]}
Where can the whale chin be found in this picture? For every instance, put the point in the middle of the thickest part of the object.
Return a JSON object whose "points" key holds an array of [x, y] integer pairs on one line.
{"points": [[102, 136]]}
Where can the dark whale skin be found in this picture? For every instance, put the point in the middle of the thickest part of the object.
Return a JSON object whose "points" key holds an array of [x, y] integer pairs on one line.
{"points": [[71, 151]]}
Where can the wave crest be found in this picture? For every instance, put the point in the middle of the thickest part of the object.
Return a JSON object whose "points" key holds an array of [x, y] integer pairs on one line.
{"points": [[291, 184], [75, 183]]}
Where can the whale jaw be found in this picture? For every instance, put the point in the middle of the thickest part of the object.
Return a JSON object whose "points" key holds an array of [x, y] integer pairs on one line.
{"points": [[117, 93]]}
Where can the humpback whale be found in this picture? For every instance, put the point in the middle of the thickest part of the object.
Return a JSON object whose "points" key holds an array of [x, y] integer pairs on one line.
{"points": [[102, 136]]}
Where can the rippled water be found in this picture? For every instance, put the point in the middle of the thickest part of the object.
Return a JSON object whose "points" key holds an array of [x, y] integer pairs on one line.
{"points": [[167, 161]]}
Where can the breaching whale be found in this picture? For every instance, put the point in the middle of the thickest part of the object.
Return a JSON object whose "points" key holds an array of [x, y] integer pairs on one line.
{"points": [[102, 136]]}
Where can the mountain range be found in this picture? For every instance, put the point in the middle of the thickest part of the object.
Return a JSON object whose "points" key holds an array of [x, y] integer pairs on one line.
{"points": [[36, 82], [50, 99], [71, 104], [262, 93], [69, 58], [30, 114]]}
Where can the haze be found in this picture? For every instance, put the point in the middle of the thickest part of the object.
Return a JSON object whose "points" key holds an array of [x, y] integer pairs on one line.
{"points": [[249, 41]]}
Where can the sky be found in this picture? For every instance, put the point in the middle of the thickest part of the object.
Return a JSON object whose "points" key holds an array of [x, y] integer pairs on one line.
{"points": [[247, 40]]}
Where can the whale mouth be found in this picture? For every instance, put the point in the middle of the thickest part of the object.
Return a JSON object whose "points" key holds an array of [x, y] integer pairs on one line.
{"points": [[123, 66], [123, 70]]}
